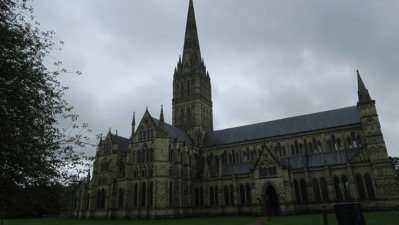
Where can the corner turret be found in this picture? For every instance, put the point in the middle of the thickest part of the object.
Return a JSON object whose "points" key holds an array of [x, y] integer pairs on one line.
{"points": [[362, 92], [372, 136], [133, 124]]}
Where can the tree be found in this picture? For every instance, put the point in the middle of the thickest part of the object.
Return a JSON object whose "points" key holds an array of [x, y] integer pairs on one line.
{"points": [[35, 152]]}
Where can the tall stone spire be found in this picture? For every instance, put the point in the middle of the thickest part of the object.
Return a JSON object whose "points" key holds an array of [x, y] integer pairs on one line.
{"points": [[192, 95], [191, 43], [191, 50], [363, 93]]}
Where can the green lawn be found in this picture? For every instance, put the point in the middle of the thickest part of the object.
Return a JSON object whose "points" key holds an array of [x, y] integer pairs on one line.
{"points": [[372, 218], [378, 218], [191, 221]]}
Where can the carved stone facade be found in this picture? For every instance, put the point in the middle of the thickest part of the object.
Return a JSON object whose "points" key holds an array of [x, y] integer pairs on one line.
{"points": [[288, 166]]}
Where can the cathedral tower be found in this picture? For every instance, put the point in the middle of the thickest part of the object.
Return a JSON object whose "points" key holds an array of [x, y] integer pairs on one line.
{"points": [[374, 139], [192, 99], [385, 181]]}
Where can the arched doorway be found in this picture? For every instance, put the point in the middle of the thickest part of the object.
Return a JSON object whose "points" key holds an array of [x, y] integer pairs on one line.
{"points": [[271, 201]]}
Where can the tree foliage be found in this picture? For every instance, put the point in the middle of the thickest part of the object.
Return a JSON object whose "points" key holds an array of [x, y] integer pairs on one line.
{"points": [[35, 150]]}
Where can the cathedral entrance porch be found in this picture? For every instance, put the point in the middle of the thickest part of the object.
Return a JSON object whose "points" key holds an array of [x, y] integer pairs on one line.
{"points": [[271, 204]]}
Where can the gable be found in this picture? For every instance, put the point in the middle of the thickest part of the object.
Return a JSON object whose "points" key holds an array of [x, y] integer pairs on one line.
{"points": [[149, 125], [147, 128]]}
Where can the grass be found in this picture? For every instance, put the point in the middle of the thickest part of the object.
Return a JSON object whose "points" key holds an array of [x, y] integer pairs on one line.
{"points": [[371, 218], [191, 221], [374, 218]]}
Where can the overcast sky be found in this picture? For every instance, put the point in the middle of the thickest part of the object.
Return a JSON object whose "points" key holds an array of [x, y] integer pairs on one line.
{"points": [[267, 59]]}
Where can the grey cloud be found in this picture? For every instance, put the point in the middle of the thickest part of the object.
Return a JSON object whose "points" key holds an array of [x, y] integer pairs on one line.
{"points": [[275, 58]]}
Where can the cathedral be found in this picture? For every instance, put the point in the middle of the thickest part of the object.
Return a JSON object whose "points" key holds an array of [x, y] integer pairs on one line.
{"points": [[282, 167]]}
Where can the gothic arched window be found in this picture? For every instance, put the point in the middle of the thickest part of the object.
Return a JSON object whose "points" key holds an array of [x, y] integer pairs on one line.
{"points": [[150, 194], [333, 143], [324, 190], [98, 199], [296, 148], [122, 167], [353, 137], [197, 196], [211, 196], [360, 187], [262, 172], [135, 194], [107, 147], [301, 149], [143, 194], [339, 144], [330, 145], [226, 195], [248, 193], [304, 193], [311, 150], [316, 190], [319, 146], [314, 143], [231, 194], [369, 186], [338, 193], [216, 196], [345, 183], [143, 172], [170, 194], [201, 196], [297, 191], [242, 194], [103, 197], [144, 153], [121, 197], [142, 135]]}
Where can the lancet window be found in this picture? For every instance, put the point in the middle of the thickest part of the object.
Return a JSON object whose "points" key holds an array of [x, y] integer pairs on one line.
{"points": [[270, 171]]}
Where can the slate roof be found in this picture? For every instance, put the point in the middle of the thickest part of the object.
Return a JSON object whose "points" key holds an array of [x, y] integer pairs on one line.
{"points": [[122, 142], [292, 125], [320, 159], [174, 132]]}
